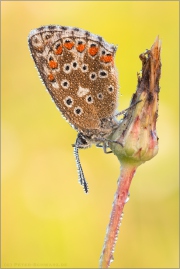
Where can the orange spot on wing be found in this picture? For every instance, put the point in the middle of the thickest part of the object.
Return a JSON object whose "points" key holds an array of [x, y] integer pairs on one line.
{"points": [[69, 45], [81, 47], [53, 64], [93, 51], [51, 77], [58, 51], [106, 58]]}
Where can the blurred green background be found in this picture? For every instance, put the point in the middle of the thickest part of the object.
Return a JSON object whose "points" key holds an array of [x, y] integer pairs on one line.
{"points": [[47, 219]]}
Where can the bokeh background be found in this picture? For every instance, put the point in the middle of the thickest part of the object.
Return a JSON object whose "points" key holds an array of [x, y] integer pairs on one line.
{"points": [[47, 219]]}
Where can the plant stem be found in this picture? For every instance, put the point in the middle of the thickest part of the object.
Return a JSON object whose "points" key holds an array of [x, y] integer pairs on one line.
{"points": [[137, 140], [121, 196]]}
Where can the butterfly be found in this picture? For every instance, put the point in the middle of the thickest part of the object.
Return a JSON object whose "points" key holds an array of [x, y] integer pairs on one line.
{"points": [[78, 70]]}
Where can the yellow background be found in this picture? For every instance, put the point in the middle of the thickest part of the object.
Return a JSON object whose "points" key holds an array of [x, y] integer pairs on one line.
{"points": [[47, 219]]}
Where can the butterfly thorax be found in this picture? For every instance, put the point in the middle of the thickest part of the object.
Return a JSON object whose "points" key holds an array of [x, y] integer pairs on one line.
{"points": [[95, 136]]}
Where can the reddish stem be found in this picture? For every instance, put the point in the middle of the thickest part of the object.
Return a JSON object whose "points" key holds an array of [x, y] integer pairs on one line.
{"points": [[121, 196]]}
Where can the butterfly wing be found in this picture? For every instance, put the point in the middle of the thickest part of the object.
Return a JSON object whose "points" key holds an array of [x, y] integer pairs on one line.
{"points": [[78, 70]]}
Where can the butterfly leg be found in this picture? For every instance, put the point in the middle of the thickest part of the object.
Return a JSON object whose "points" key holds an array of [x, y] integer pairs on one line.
{"points": [[104, 146], [123, 111], [104, 140]]}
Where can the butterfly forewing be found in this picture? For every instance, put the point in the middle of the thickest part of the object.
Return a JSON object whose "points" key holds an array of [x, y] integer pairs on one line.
{"points": [[78, 70]]}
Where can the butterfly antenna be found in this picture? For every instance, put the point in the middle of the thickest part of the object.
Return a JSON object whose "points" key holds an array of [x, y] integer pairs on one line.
{"points": [[81, 177]]}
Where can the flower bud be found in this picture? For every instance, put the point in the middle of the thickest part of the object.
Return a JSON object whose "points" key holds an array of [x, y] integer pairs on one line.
{"points": [[137, 130]]}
